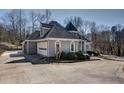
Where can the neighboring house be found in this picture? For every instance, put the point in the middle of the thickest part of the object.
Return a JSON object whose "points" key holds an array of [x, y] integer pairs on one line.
{"points": [[54, 38]]}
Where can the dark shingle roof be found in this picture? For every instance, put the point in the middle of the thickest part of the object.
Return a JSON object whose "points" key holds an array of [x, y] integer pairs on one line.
{"points": [[34, 35], [55, 31], [70, 27], [46, 25]]}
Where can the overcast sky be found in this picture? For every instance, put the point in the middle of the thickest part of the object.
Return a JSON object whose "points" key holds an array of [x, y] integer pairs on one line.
{"points": [[106, 17]]}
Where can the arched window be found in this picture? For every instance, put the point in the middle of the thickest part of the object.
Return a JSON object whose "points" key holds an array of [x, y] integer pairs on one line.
{"points": [[72, 47]]}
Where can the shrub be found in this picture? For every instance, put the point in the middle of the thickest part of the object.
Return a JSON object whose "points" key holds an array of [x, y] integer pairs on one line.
{"points": [[71, 56], [90, 53], [87, 57], [80, 55], [74, 56], [63, 55]]}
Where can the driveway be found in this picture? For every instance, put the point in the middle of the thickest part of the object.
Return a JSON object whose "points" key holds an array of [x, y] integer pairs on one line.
{"points": [[93, 72], [13, 56]]}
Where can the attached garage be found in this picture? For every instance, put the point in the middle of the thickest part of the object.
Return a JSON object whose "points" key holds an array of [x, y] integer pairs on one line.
{"points": [[42, 48], [30, 47]]}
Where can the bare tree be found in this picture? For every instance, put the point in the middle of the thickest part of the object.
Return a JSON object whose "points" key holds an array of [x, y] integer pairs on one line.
{"points": [[10, 20], [21, 24], [47, 15], [76, 21], [86, 25], [33, 17], [15, 23], [41, 19], [93, 34]]}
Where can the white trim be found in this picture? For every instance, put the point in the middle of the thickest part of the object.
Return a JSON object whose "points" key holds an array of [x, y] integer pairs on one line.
{"points": [[36, 40], [72, 42], [64, 39], [59, 45]]}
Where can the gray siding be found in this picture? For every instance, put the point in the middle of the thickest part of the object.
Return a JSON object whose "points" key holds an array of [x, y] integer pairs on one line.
{"points": [[65, 46], [32, 48]]}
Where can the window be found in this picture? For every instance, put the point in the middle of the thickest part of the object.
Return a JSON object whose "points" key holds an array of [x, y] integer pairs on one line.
{"points": [[72, 46]]}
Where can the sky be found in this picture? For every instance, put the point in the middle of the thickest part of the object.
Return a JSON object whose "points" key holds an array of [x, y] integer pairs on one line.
{"points": [[100, 16]]}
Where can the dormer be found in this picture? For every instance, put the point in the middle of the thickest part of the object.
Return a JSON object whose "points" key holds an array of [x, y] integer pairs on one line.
{"points": [[45, 28], [71, 28]]}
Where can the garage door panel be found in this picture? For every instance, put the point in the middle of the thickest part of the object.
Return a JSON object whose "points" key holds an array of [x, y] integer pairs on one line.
{"points": [[42, 48]]}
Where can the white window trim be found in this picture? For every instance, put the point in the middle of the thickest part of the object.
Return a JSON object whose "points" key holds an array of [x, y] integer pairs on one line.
{"points": [[59, 45], [70, 46]]}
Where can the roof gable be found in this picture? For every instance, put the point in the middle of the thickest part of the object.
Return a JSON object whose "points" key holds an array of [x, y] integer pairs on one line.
{"points": [[70, 27], [56, 31]]}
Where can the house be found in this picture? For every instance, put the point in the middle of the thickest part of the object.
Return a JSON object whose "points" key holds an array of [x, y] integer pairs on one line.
{"points": [[53, 38]]}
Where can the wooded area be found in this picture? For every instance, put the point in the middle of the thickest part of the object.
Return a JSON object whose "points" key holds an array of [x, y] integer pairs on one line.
{"points": [[16, 26]]}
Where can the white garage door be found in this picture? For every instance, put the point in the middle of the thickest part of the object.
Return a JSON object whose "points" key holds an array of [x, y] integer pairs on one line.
{"points": [[42, 48]]}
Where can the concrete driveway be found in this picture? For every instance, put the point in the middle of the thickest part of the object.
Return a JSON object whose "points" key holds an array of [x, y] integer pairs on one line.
{"points": [[93, 72], [16, 56]]}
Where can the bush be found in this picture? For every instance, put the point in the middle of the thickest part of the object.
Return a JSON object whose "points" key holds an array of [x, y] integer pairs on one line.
{"points": [[63, 55], [90, 53], [74, 56], [80, 55], [71, 56], [87, 57]]}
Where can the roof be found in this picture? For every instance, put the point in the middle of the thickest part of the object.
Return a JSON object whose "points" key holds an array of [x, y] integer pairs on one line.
{"points": [[34, 35], [70, 27], [46, 25], [56, 31], [55, 23]]}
